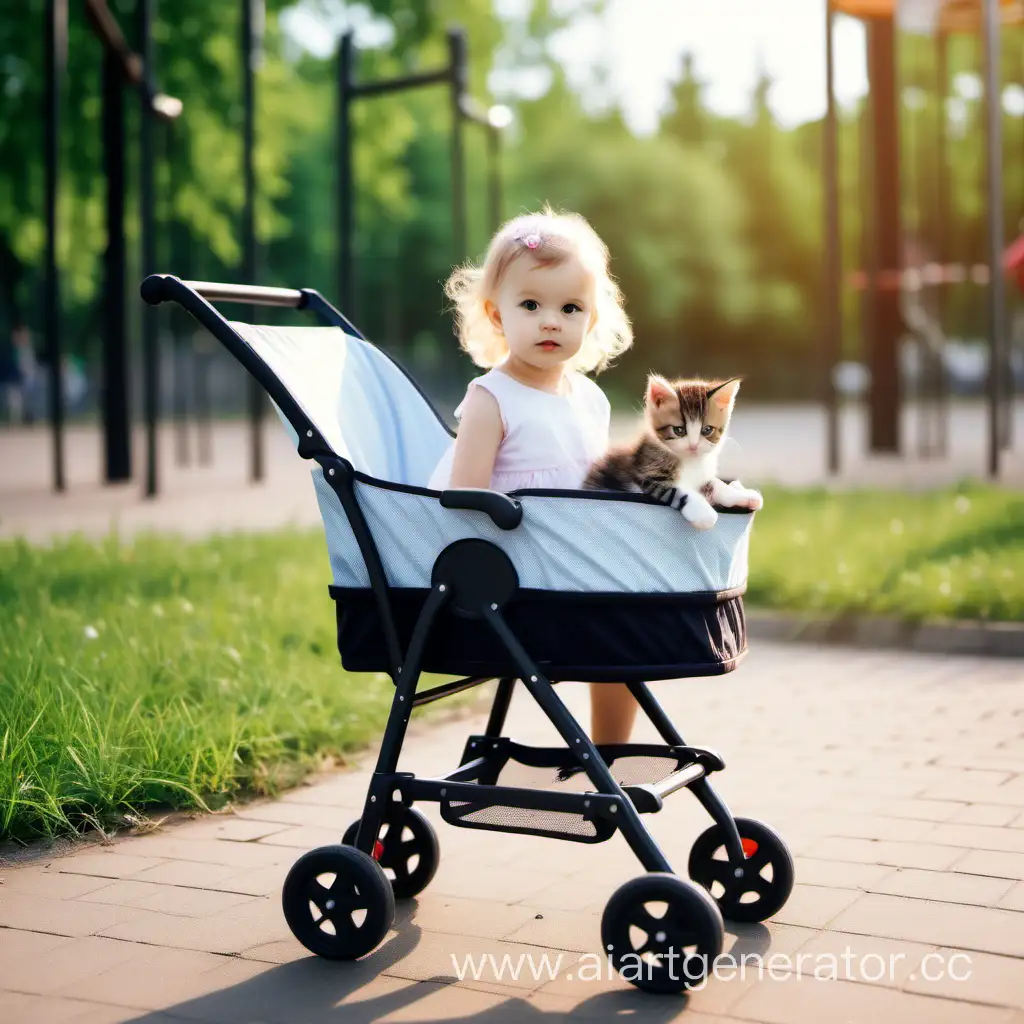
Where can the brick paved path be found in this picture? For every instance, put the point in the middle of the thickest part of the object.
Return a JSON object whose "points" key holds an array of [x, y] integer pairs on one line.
{"points": [[898, 781]]}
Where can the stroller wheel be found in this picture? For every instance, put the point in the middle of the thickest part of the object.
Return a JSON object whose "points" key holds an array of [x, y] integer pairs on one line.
{"points": [[662, 933], [409, 852], [338, 902], [767, 874]]}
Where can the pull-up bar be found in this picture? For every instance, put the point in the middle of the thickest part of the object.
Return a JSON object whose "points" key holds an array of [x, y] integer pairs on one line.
{"points": [[463, 108]]}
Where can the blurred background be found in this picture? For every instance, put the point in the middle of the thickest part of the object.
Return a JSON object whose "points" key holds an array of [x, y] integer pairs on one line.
{"points": [[690, 132]]}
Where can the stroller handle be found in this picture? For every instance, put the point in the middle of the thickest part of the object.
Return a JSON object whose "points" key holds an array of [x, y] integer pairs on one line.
{"points": [[505, 512], [154, 292]]}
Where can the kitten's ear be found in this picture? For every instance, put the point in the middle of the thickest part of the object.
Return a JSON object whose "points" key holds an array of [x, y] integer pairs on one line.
{"points": [[659, 390], [723, 395]]}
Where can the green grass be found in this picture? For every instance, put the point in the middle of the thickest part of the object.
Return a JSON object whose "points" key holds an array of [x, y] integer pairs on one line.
{"points": [[165, 673], [187, 674], [954, 554]]}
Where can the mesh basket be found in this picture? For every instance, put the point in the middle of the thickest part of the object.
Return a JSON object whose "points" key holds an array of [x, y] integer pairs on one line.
{"points": [[560, 774]]}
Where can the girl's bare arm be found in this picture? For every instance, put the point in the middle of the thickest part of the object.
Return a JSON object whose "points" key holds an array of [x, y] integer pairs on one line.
{"points": [[479, 437]]}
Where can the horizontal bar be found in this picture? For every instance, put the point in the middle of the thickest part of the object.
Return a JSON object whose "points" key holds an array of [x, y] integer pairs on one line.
{"points": [[677, 780], [250, 294], [399, 84], [504, 796], [446, 689]]}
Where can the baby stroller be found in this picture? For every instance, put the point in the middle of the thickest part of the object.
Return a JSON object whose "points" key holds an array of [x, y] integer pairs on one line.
{"points": [[535, 586]]}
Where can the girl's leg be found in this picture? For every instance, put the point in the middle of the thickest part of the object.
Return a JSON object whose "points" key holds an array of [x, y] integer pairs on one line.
{"points": [[612, 713]]}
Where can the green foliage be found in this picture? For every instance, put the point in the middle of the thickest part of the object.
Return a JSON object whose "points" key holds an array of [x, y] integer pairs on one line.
{"points": [[715, 224], [163, 673]]}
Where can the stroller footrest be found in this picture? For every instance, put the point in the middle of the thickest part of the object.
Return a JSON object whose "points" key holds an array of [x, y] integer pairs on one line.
{"points": [[647, 798], [511, 787]]}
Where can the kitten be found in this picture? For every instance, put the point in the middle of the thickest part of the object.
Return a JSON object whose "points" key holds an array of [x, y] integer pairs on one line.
{"points": [[676, 457]]}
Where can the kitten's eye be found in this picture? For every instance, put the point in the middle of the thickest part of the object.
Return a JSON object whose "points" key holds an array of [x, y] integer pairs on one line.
{"points": [[571, 307], [679, 431], [707, 430], [529, 304]]}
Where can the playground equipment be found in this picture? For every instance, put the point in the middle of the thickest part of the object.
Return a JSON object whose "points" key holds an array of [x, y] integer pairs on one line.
{"points": [[902, 282]]}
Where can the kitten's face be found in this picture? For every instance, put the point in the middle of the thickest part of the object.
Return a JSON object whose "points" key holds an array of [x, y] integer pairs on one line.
{"points": [[689, 417]]}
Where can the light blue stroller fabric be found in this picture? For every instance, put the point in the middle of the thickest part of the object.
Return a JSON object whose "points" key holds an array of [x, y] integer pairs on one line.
{"points": [[371, 414]]}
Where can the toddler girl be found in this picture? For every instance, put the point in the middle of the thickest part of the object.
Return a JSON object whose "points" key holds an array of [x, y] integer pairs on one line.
{"points": [[541, 311]]}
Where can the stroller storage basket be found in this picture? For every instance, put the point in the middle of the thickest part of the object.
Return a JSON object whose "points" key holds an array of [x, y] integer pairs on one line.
{"points": [[501, 762]]}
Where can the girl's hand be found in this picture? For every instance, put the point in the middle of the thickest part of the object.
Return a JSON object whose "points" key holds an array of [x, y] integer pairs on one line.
{"points": [[479, 437]]}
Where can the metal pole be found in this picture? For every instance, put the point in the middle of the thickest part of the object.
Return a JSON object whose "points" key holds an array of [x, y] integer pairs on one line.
{"points": [[886, 396], [942, 228], [150, 323], [346, 209], [996, 290], [175, 231], [457, 64], [116, 419], [494, 147], [833, 252], [56, 32], [250, 57]]}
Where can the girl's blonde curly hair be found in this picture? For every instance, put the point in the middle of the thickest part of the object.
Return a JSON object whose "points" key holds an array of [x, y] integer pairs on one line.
{"points": [[549, 238]]}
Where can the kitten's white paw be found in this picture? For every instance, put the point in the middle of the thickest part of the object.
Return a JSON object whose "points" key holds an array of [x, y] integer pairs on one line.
{"points": [[744, 497], [702, 516]]}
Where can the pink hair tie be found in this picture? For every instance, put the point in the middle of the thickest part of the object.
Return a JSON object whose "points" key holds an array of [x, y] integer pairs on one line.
{"points": [[531, 241]]}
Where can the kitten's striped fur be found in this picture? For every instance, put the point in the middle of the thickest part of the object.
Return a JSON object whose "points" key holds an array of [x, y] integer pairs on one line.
{"points": [[676, 458]]}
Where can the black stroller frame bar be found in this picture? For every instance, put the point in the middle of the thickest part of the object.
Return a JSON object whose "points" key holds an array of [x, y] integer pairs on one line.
{"points": [[612, 806]]}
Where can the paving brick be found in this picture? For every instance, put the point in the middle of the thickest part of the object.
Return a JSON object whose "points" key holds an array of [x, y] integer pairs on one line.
{"points": [[50, 882], [974, 977], [813, 906], [807, 1001], [560, 929], [944, 886], [64, 966], [429, 1000], [232, 829], [304, 837], [838, 874], [153, 979], [191, 902], [229, 932], [972, 928], [283, 951], [191, 874], [60, 917], [868, 826], [208, 851], [987, 862], [262, 882], [1014, 899], [870, 959], [503, 964], [970, 793], [280, 813], [984, 814], [487, 919], [110, 864], [978, 837], [47, 1009], [867, 851], [15, 942]]}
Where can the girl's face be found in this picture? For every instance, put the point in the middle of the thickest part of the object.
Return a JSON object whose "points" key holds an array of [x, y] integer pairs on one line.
{"points": [[544, 312]]}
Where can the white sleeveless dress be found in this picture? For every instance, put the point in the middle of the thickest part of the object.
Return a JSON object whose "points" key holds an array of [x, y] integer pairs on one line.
{"points": [[550, 441]]}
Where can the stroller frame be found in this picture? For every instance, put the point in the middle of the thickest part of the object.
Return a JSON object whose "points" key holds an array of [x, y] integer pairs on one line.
{"points": [[475, 579]]}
